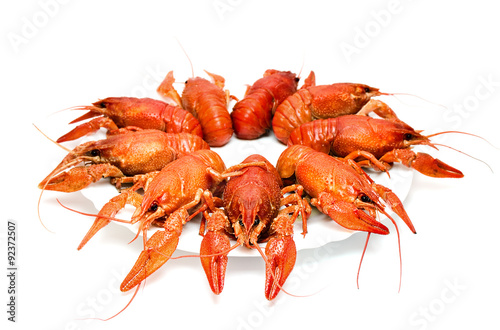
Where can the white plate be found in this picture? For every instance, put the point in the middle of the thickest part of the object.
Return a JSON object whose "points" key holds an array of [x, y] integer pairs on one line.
{"points": [[321, 229]]}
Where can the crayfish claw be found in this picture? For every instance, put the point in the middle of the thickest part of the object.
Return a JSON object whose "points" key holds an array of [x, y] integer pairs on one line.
{"points": [[213, 246], [395, 204], [348, 215], [79, 177], [427, 165], [158, 251], [281, 254]]}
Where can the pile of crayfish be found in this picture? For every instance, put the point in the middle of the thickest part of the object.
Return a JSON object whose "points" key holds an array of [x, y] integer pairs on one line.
{"points": [[159, 156]]}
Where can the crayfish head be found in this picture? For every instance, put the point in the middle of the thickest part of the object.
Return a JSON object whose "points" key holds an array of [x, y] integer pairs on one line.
{"points": [[365, 92], [412, 137], [249, 225], [400, 135], [107, 103], [147, 213]]}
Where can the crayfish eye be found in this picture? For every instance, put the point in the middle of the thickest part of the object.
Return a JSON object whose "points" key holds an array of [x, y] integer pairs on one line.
{"points": [[153, 207], [95, 152], [240, 222], [365, 199], [367, 90], [102, 105], [297, 79], [256, 222], [408, 136]]}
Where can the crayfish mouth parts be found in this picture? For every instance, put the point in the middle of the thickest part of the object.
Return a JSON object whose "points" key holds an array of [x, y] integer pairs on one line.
{"points": [[147, 216]]}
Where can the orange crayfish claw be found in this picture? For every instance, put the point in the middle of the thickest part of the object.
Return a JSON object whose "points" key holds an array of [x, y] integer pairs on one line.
{"points": [[348, 215], [395, 204], [157, 251], [281, 254], [427, 165], [79, 177], [422, 162], [214, 244]]}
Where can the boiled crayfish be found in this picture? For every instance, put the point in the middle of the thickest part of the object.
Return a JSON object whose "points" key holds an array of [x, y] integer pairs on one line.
{"points": [[127, 153], [120, 112], [340, 189], [207, 101], [388, 139], [255, 210]]}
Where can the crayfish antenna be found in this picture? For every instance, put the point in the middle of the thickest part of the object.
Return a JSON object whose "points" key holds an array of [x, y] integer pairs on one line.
{"points": [[189, 59], [55, 142], [302, 65], [362, 257], [47, 182], [208, 255], [466, 154], [38, 210], [119, 312], [126, 306], [418, 97], [399, 248], [100, 222], [465, 133]]}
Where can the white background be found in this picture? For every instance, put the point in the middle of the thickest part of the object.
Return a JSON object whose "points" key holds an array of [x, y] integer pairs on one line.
{"points": [[56, 55]]}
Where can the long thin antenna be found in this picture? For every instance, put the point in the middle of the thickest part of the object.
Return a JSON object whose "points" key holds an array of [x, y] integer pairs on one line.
{"points": [[93, 215], [48, 138], [208, 255], [123, 309], [399, 247], [418, 97], [185, 53], [465, 133], [362, 257], [466, 154]]}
